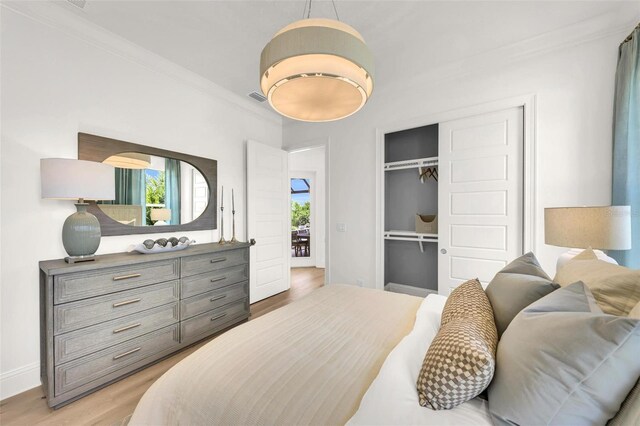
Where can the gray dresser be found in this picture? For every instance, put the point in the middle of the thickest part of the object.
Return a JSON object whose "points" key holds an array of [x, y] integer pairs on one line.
{"points": [[101, 321]]}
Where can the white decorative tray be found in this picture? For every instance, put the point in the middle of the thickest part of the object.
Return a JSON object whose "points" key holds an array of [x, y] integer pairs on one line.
{"points": [[157, 248]]}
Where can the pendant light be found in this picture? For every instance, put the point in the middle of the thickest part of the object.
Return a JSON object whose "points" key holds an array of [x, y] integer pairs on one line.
{"points": [[316, 70], [129, 160]]}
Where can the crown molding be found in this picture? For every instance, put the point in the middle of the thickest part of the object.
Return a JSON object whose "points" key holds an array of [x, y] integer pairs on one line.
{"points": [[593, 29], [60, 18]]}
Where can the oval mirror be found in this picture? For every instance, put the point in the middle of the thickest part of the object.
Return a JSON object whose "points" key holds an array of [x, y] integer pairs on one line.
{"points": [[155, 191]]}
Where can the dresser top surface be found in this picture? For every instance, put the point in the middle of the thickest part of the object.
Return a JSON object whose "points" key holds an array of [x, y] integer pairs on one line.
{"points": [[59, 266]]}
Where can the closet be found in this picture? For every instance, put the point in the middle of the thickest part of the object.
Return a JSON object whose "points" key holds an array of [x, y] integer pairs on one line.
{"points": [[468, 174], [411, 188]]}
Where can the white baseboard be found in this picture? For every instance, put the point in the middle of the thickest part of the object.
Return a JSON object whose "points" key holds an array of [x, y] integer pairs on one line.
{"points": [[19, 379], [407, 289]]}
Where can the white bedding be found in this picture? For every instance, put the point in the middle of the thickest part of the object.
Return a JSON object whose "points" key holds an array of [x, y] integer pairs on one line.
{"points": [[307, 363], [392, 398]]}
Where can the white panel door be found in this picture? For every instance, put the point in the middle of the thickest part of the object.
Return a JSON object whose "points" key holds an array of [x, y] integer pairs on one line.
{"points": [[267, 220], [480, 196], [200, 194]]}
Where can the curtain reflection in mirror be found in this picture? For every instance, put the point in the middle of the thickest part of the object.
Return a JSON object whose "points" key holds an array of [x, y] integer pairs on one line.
{"points": [[172, 189]]}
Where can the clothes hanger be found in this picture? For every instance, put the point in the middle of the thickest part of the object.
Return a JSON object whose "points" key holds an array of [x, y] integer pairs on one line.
{"points": [[428, 172]]}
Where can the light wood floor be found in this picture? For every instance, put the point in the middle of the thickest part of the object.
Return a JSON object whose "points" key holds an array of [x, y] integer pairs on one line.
{"points": [[111, 405]]}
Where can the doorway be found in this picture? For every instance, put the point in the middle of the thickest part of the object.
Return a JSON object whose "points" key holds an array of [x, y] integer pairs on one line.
{"points": [[303, 226], [307, 195]]}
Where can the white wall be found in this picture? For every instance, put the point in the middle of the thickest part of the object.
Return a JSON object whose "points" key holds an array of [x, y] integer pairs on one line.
{"points": [[574, 94], [313, 160], [55, 85]]}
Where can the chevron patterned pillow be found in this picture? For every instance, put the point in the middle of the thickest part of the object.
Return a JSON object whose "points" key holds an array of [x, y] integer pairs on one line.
{"points": [[460, 362]]}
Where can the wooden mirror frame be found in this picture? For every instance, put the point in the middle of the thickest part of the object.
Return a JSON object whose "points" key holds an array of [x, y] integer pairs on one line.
{"points": [[98, 148]]}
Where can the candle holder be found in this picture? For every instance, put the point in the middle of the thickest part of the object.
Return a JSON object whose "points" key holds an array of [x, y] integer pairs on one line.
{"points": [[233, 219], [233, 227], [222, 240]]}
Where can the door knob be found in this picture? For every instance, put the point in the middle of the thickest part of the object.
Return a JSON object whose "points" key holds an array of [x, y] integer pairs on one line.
{"points": [[443, 251]]}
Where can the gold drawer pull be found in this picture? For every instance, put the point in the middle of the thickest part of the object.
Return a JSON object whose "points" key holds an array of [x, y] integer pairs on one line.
{"points": [[222, 296], [126, 277], [126, 302], [219, 316], [222, 259], [129, 327], [215, 280], [132, 351]]}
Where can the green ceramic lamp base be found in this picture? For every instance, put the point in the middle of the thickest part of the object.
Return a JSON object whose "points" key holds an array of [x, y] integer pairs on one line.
{"points": [[76, 259], [81, 235]]}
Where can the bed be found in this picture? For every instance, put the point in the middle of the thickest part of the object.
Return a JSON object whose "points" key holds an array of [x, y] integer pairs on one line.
{"points": [[342, 354]]}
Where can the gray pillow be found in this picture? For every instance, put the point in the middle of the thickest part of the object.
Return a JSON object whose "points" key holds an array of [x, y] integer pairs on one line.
{"points": [[515, 287], [560, 363]]}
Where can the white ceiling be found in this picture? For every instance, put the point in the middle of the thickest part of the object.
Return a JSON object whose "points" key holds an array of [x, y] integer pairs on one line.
{"points": [[222, 40]]}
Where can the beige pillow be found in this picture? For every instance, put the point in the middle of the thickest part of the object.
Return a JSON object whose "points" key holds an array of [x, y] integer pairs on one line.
{"points": [[460, 362], [586, 254], [629, 413], [615, 288]]}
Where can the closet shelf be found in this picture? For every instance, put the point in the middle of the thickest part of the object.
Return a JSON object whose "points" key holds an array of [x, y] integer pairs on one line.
{"points": [[411, 236], [411, 164]]}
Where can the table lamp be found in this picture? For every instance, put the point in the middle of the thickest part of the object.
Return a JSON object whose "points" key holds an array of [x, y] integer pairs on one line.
{"points": [[602, 228], [67, 179], [160, 216]]}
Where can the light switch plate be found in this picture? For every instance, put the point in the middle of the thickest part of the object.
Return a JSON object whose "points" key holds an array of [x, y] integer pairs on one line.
{"points": [[341, 227]]}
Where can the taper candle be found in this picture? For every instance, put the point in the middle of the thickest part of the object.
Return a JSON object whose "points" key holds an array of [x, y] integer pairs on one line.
{"points": [[233, 201]]}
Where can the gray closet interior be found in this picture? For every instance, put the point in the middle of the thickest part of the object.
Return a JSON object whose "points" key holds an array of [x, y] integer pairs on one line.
{"points": [[405, 196]]}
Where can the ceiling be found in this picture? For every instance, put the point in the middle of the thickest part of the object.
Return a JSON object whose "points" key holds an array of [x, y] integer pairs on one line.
{"points": [[222, 40]]}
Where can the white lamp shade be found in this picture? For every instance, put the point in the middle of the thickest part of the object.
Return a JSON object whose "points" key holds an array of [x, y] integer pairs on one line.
{"points": [[604, 228], [67, 179], [129, 160], [160, 214]]}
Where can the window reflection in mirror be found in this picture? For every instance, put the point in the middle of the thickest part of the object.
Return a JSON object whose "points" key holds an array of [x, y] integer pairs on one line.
{"points": [[155, 191]]}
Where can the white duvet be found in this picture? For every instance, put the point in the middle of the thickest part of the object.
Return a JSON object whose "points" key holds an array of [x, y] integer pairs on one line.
{"points": [[392, 398]]}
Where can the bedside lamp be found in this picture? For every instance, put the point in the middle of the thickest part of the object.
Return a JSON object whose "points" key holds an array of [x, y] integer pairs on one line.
{"points": [[603, 228], [67, 179], [160, 216]]}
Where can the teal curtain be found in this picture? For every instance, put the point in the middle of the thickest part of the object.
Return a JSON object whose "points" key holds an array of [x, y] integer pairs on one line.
{"points": [[131, 187], [626, 143], [172, 189]]}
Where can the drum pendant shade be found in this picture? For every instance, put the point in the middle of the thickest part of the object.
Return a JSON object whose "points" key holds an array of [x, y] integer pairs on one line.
{"points": [[317, 70]]}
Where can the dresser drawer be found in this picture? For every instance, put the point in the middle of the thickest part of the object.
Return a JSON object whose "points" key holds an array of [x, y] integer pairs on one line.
{"points": [[212, 321], [69, 346], [82, 285], [192, 265], [213, 299], [200, 283], [87, 312], [92, 367]]}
